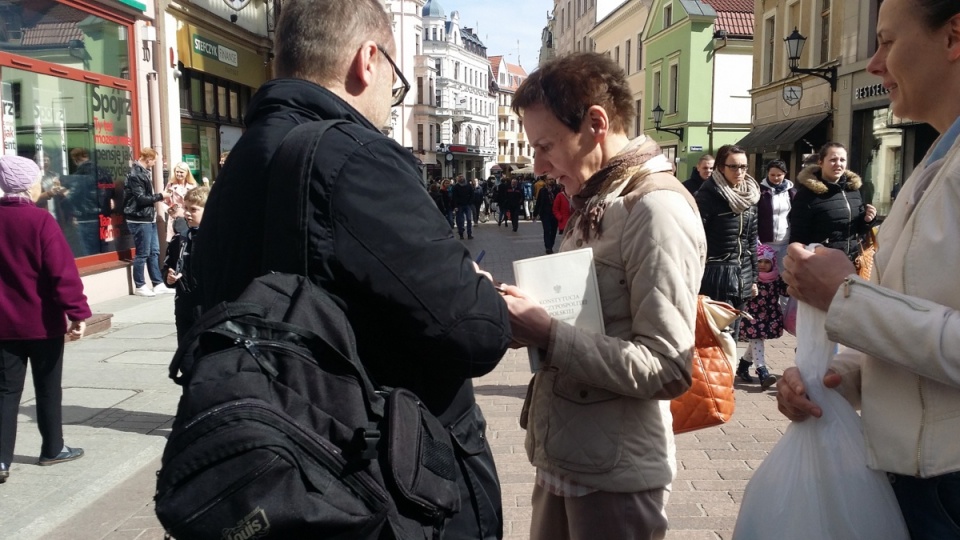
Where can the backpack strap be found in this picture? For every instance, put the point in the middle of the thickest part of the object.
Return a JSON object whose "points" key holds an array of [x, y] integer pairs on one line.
{"points": [[285, 241]]}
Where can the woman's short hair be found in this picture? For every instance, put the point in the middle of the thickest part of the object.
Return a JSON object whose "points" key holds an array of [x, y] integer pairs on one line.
{"points": [[777, 164], [568, 86], [725, 152]]}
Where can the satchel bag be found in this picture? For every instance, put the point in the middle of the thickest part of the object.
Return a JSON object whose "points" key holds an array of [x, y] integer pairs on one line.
{"points": [[868, 248], [710, 399]]}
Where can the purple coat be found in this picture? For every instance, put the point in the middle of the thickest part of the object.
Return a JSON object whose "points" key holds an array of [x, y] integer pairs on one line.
{"points": [[40, 286]]}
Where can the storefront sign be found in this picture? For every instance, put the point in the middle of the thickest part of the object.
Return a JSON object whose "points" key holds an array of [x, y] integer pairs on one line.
{"points": [[9, 128], [873, 90], [214, 50], [792, 94], [217, 55]]}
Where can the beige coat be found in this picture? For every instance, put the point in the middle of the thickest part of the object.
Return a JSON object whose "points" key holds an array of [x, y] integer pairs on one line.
{"points": [[599, 412], [908, 325]]}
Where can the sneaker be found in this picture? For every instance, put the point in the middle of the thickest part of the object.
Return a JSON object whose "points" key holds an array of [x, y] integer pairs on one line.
{"points": [[766, 379], [144, 291], [160, 288], [469, 237], [67, 454]]}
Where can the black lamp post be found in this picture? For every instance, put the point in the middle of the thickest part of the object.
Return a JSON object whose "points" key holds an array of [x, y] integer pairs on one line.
{"points": [[795, 42], [658, 117]]}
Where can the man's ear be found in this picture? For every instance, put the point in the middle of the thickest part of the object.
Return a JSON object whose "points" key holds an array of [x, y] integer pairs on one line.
{"points": [[953, 37], [598, 122], [364, 63]]}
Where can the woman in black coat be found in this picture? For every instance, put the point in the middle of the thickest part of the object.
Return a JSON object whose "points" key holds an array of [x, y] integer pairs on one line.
{"points": [[728, 208], [828, 208]]}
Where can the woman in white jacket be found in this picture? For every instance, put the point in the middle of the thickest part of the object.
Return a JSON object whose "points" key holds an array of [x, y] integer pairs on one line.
{"points": [[903, 327]]}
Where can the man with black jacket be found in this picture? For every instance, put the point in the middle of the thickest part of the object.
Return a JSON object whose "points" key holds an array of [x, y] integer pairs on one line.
{"points": [[141, 215], [424, 317]]}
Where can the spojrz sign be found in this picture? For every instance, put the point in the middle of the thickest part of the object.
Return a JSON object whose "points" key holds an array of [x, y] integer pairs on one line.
{"points": [[211, 49]]}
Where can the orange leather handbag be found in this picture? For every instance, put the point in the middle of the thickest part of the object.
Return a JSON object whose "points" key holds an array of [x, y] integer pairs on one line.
{"points": [[709, 401]]}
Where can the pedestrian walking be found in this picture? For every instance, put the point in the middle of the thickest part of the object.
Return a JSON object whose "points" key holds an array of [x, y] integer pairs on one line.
{"points": [[39, 292], [543, 209], [767, 316]]}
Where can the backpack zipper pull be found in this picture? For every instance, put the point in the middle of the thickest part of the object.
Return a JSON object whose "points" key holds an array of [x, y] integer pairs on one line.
{"points": [[251, 347]]}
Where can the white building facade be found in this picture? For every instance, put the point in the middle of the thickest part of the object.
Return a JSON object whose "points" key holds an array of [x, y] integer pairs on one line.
{"points": [[455, 111]]}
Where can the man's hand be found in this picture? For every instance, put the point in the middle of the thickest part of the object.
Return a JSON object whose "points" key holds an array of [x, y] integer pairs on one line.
{"points": [[529, 322], [172, 276], [870, 214], [814, 278], [792, 398]]}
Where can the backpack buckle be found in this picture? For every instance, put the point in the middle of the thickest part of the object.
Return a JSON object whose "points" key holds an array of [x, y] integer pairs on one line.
{"points": [[365, 442]]}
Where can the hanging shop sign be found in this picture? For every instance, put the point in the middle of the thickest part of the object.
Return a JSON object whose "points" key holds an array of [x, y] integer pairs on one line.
{"points": [[792, 94]]}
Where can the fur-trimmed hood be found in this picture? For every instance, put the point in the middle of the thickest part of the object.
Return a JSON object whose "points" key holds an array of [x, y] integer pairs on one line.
{"points": [[811, 179]]}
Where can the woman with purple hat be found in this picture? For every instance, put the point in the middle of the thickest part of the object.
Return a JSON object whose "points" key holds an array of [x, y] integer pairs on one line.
{"points": [[40, 291]]}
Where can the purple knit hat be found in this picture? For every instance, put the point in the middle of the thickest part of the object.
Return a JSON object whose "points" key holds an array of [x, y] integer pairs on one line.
{"points": [[17, 174]]}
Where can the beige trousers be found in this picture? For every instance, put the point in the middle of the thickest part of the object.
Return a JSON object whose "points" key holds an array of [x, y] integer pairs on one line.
{"points": [[601, 514]]}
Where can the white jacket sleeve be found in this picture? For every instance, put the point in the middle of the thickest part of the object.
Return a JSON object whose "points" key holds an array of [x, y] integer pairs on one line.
{"points": [[916, 334]]}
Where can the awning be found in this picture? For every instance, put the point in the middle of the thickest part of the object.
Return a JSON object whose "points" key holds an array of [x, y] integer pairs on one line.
{"points": [[781, 136]]}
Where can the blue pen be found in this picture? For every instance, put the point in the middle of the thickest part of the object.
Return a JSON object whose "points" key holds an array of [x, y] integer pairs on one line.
{"points": [[480, 256]]}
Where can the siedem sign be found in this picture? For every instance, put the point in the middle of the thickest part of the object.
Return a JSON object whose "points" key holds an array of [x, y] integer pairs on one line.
{"points": [[210, 49]]}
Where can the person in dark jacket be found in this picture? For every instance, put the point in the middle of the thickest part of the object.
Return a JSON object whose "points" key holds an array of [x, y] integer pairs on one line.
{"points": [[141, 216], [776, 198], [543, 209], [463, 205], [500, 197], [39, 292], [728, 208], [513, 201], [425, 319], [176, 269], [828, 209], [701, 174]]}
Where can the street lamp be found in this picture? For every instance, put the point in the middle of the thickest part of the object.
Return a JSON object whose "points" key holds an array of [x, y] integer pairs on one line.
{"points": [[795, 42], [658, 117]]}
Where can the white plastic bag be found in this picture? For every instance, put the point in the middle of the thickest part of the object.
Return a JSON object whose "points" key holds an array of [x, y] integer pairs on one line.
{"points": [[815, 483]]}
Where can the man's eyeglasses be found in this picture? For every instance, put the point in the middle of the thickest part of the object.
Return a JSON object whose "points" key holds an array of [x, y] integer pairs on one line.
{"points": [[400, 92], [736, 167]]}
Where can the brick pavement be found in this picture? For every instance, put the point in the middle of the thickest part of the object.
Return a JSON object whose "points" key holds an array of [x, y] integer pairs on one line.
{"points": [[714, 464]]}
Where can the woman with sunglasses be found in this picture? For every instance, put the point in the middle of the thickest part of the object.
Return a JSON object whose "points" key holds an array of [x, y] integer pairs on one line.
{"points": [[828, 208], [728, 209]]}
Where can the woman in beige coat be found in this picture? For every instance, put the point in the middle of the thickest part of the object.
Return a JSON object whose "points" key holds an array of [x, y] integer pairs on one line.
{"points": [[599, 424]]}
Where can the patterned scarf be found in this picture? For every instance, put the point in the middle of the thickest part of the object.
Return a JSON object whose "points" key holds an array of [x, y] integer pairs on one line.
{"points": [[638, 159], [741, 197]]}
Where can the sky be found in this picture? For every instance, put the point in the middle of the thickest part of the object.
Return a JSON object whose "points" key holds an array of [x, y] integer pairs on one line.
{"points": [[511, 28]]}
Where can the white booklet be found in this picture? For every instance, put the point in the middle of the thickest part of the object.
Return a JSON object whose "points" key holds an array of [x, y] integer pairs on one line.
{"points": [[565, 284]]}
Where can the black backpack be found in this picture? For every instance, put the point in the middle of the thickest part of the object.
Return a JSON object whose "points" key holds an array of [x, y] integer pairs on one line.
{"points": [[280, 432]]}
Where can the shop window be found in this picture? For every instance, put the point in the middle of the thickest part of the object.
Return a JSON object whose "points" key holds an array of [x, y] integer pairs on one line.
{"points": [[64, 35], [234, 104], [222, 111], [81, 136], [209, 99], [213, 98]]}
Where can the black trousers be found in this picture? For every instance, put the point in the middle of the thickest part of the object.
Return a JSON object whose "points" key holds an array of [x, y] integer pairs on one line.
{"points": [[46, 363]]}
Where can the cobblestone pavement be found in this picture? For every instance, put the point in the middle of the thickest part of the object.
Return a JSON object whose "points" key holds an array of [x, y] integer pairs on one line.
{"points": [[108, 494]]}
